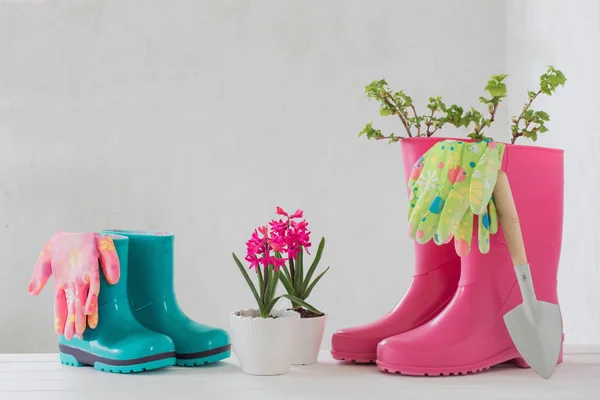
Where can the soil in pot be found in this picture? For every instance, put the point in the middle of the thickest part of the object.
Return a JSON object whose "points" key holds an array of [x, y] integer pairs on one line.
{"points": [[304, 313]]}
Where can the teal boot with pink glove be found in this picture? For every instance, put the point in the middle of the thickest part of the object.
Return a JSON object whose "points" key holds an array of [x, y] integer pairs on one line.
{"points": [[93, 317], [152, 296]]}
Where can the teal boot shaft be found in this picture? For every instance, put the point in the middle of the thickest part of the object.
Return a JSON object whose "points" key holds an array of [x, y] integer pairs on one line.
{"points": [[119, 343], [152, 296]]}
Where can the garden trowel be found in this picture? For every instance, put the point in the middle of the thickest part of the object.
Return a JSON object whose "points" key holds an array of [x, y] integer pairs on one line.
{"points": [[534, 326]]}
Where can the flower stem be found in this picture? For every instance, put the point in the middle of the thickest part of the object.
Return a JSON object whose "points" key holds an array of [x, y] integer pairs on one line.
{"points": [[292, 270], [266, 282]]}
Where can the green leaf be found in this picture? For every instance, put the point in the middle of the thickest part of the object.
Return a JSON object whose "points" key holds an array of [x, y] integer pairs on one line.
{"points": [[312, 285], [312, 268], [261, 284], [296, 300], [562, 79], [247, 278], [496, 89], [269, 307], [532, 136], [542, 115], [495, 86], [543, 129], [370, 132], [272, 284], [287, 284], [286, 272], [299, 273], [376, 89]]}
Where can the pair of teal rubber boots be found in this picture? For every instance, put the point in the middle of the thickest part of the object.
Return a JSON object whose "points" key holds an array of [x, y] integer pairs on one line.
{"points": [[140, 325]]}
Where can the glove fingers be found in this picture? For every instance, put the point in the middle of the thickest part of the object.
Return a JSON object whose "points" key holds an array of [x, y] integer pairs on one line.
{"points": [[462, 240], [92, 298], [60, 311], [420, 209], [444, 164], [109, 260], [483, 179], [414, 176], [483, 233], [70, 321], [458, 198], [425, 182], [493, 217], [41, 271], [81, 295], [92, 319]]}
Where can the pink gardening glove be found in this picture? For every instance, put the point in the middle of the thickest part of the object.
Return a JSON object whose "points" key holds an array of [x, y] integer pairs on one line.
{"points": [[73, 260]]}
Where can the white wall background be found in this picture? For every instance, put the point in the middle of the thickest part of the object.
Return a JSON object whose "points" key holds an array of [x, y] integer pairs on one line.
{"points": [[200, 117]]}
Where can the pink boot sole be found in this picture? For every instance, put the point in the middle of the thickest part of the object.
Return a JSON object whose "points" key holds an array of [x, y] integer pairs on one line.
{"points": [[354, 357]]}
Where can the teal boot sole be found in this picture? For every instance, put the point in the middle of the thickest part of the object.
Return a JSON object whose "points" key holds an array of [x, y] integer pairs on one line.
{"points": [[198, 359], [107, 365]]}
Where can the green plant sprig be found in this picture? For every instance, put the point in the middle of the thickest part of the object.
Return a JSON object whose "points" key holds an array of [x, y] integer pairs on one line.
{"points": [[440, 114], [267, 287], [528, 124], [533, 122], [298, 285], [497, 90]]}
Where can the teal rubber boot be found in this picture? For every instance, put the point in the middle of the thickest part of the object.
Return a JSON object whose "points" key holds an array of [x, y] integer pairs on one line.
{"points": [[119, 343], [152, 296]]}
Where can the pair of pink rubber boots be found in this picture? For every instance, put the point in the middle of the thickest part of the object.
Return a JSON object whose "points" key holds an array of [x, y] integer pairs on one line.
{"points": [[451, 319]]}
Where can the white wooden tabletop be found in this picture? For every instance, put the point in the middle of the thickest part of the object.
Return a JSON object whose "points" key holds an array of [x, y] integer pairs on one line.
{"points": [[41, 376]]}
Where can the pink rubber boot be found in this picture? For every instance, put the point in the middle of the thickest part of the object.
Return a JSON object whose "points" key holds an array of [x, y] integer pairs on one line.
{"points": [[469, 335], [437, 270]]}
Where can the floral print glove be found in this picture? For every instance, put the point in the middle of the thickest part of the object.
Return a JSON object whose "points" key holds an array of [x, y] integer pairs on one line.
{"points": [[73, 260], [449, 185]]}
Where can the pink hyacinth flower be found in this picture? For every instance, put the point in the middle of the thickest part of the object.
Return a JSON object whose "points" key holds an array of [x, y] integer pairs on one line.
{"points": [[294, 234]]}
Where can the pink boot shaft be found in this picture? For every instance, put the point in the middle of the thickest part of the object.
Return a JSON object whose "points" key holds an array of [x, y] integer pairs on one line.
{"points": [[436, 274], [469, 334]]}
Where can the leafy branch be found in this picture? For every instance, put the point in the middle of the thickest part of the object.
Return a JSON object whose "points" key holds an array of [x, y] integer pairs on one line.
{"points": [[497, 90], [529, 123], [439, 114]]}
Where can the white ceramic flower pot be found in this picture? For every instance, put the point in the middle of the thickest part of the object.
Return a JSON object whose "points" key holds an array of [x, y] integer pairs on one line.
{"points": [[307, 340], [263, 346]]}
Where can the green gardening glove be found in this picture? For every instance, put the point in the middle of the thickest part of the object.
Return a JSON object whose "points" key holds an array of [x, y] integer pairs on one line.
{"points": [[450, 184]]}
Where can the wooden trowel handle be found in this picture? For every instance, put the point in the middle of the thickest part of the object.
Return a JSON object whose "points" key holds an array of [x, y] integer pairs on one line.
{"points": [[509, 219]]}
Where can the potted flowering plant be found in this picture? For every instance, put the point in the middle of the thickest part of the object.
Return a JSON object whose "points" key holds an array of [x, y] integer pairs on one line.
{"points": [[263, 337], [299, 285]]}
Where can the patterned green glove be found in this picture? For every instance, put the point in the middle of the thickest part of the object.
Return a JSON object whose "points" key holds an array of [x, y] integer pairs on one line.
{"points": [[450, 184]]}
